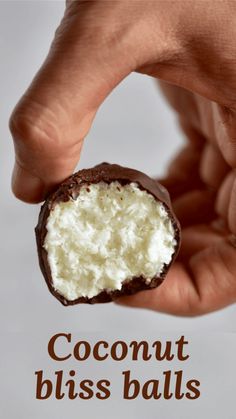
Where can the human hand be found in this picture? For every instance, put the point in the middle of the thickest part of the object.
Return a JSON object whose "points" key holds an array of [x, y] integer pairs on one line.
{"points": [[186, 43]]}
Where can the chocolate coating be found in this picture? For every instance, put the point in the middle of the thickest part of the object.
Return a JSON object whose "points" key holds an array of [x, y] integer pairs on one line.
{"points": [[70, 188]]}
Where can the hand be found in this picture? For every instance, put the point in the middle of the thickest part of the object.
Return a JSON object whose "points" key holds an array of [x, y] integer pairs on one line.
{"points": [[186, 43]]}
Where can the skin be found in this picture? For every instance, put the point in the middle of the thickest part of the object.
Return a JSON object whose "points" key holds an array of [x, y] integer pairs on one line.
{"points": [[190, 47]]}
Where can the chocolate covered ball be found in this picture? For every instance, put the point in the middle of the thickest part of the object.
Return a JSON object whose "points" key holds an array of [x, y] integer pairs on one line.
{"points": [[105, 232]]}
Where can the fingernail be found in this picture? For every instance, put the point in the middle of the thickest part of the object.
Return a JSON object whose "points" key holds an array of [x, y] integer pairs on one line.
{"points": [[26, 186]]}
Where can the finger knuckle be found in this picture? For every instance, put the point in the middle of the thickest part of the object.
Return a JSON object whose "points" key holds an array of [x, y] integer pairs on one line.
{"points": [[32, 127]]}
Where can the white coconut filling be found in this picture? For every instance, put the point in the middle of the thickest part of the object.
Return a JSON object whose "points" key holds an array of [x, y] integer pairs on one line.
{"points": [[109, 234]]}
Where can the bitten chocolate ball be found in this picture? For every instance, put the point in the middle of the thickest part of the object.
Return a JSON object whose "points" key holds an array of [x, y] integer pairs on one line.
{"points": [[107, 231]]}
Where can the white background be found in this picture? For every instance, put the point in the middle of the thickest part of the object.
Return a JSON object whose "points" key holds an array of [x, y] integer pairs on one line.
{"points": [[134, 127]]}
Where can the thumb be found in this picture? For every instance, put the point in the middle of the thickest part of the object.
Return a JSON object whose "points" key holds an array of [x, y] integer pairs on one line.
{"points": [[54, 115]]}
